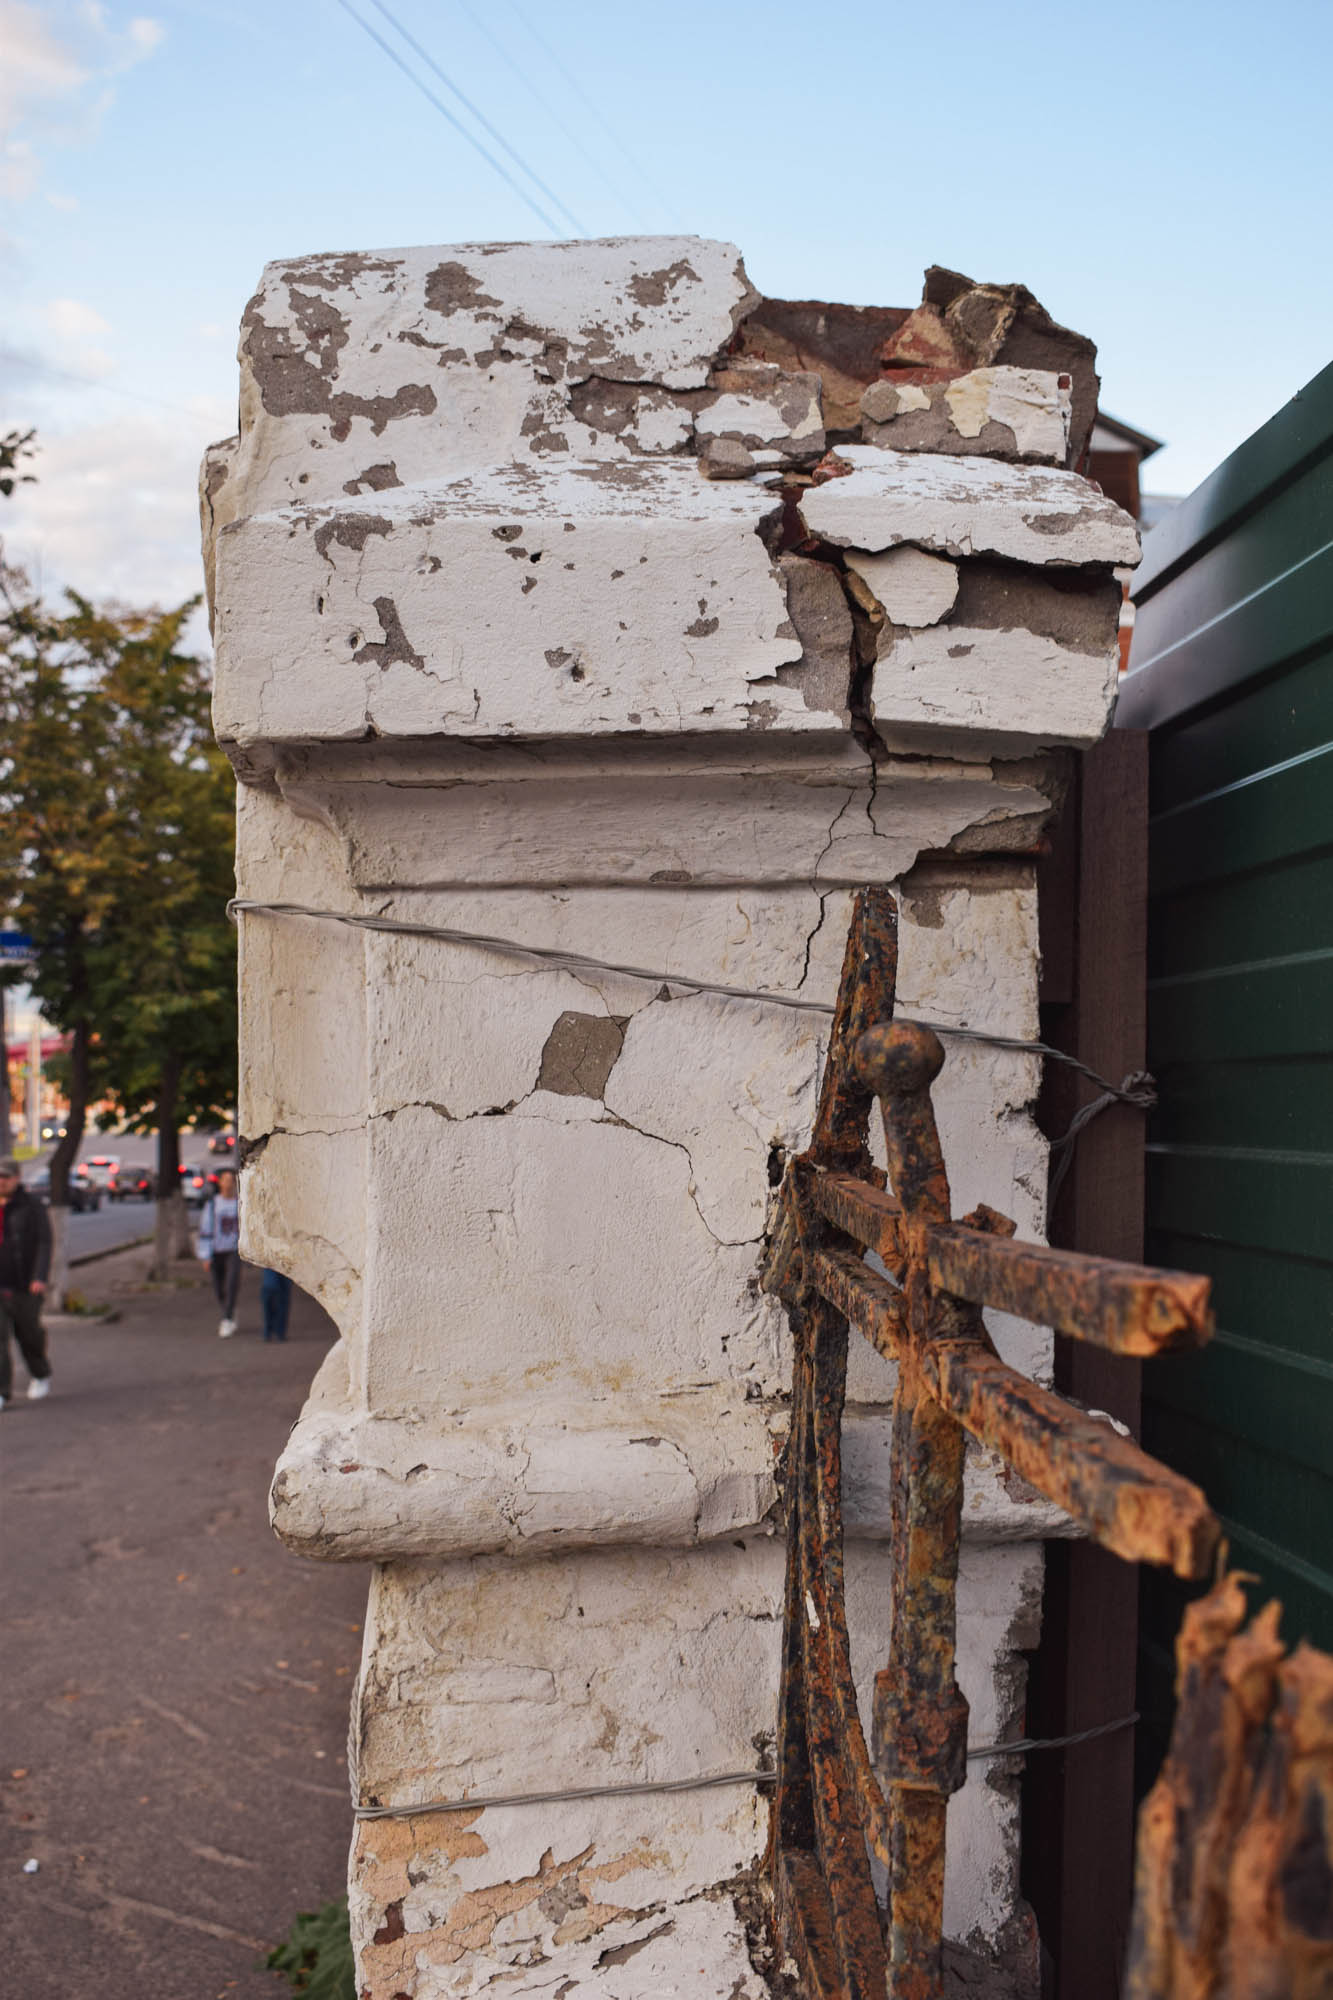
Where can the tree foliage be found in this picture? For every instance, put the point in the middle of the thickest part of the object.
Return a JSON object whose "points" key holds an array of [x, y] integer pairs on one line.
{"points": [[116, 845], [14, 447]]}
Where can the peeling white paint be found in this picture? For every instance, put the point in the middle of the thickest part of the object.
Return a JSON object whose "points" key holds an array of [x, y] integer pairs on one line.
{"points": [[968, 506], [492, 655], [911, 586], [1007, 684]]}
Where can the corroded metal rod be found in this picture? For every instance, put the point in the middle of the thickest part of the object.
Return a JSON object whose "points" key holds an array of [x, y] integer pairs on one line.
{"points": [[1127, 1308], [920, 1712], [1126, 1500], [926, 1315]]}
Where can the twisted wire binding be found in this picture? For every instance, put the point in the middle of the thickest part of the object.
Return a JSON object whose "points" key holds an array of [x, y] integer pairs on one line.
{"points": [[480, 1803], [1136, 1089]]}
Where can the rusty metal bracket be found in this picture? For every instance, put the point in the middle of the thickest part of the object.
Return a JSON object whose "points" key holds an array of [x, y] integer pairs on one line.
{"points": [[837, 1798]]}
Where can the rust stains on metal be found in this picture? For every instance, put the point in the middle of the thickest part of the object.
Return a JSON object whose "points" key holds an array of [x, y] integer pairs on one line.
{"points": [[833, 1796], [1124, 1307], [1234, 1869]]}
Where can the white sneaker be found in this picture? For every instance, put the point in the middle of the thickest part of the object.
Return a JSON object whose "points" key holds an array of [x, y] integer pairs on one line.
{"points": [[226, 1329], [38, 1389]]}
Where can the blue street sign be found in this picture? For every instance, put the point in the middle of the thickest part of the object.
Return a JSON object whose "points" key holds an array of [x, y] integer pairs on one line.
{"points": [[15, 948]]}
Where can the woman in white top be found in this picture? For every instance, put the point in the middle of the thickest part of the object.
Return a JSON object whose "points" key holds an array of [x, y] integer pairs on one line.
{"points": [[219, 1247]]}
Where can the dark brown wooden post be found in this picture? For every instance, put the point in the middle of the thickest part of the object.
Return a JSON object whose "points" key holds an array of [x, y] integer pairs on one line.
{"points": [[1079, 1803]]}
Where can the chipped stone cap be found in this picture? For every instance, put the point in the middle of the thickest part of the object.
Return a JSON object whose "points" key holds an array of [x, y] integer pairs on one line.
{"points": [[674, 1472], [404, 364], [993, 412], [568, 598], [962, 506]]}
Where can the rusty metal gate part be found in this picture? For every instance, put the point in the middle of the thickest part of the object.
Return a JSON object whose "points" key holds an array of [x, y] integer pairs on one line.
{"points": [[1234, 1867], [837, 1798]]}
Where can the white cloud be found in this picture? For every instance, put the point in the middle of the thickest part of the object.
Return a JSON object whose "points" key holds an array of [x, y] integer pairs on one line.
{"points": [[55, 65], [145, 34], [18, 170], [114, 511], [35, 64], [67, 203], [71, 319]]}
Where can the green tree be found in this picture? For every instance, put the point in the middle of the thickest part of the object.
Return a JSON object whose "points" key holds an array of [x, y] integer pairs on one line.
{"points": [[14, 446], [166, 955], [115, 831]]}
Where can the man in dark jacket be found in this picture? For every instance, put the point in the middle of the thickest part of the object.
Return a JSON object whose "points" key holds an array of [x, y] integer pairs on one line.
{"points": [[25, 1264]]}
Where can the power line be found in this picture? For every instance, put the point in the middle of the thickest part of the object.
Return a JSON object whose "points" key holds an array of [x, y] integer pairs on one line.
{"points": [[481, 119], [449, 118], [12, 358], [565, 130], [591, 108]]}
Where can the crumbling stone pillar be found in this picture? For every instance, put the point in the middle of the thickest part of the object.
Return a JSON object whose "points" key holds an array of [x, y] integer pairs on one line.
{"points": [[544, 611]]}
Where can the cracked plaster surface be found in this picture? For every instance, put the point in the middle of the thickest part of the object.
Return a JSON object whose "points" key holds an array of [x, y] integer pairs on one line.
{"points": [[553, 1417], [580, 1686], [564, 600], [968, 506], [954, 678], [829, 817]]}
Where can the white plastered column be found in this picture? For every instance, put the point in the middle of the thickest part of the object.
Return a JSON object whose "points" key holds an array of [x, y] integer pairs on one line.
{"points": [[494, 660]]}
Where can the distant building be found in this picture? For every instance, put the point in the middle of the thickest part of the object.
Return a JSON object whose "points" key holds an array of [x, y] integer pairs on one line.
{"points": [[1115, 453]]}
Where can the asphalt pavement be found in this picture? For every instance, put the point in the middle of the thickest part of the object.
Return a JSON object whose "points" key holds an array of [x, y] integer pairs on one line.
{"points": [[175, 1686], [116, 1223]]}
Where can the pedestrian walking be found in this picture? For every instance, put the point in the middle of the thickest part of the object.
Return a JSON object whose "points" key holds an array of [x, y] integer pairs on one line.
{"points": [[25, 1264], [275, 1297], [219, 1248]]}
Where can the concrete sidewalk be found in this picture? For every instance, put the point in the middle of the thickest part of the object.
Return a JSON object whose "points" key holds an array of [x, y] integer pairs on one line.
{"points": [[173, 1686]]}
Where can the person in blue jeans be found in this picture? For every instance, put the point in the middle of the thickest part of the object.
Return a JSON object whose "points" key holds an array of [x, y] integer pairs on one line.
{"points": [[219, 1247], [275, 1297]]}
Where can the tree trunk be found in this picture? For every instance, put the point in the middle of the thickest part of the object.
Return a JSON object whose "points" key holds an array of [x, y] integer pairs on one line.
{"points": [[6, 1126], [171, 1236], [58, 1282], [62, 1160]]}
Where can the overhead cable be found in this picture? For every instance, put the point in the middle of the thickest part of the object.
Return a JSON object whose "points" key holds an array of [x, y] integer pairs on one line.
{"points": [[480, 117], [449, 117], [566, 131], [591, 108]]}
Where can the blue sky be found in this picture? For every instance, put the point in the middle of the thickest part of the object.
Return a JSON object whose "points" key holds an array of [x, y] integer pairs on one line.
{"points": [[1158, 174]]}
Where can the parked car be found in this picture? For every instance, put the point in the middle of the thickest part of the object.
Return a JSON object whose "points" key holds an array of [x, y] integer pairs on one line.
{"points": [[101, 1169], [83, 1193], [197, 1186], [131, 1184], [222, 1142]]}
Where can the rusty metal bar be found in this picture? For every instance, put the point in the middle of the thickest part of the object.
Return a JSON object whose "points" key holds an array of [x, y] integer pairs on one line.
{"points": [[869, 1214], [1234, 1868], [1127, 1308], [1127, 1501], [920, 1711], [832, 1798], [832, 1919], [827, 1800]]}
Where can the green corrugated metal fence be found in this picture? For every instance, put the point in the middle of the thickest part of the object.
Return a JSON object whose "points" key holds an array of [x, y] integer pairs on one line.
{"points": [[1232, 672]]}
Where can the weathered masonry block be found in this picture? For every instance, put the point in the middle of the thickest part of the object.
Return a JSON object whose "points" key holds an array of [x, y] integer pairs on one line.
{"points": [[573, 595]]}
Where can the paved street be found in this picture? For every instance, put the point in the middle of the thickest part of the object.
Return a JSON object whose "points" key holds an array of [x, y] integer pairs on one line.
{"points": [[173, 1703], [120, 1222]]}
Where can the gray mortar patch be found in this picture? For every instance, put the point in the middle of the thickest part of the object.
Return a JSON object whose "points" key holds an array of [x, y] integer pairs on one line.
{"points": [[452, 288], [1009, 597], [580, 1053], [350, 531], [395, 646]]}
